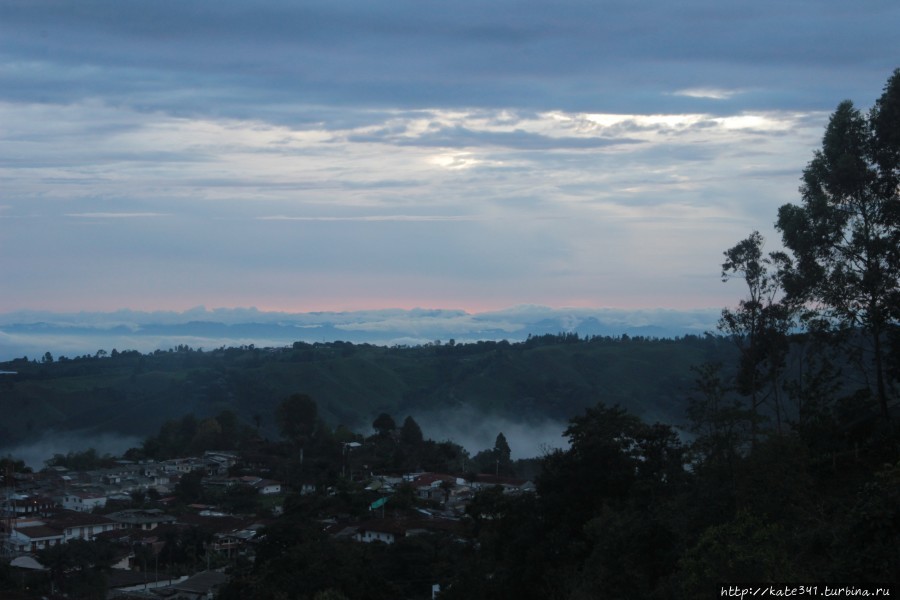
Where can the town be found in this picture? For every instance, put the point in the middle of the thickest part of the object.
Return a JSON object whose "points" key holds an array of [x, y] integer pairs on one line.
{"points": [[135, 527]]}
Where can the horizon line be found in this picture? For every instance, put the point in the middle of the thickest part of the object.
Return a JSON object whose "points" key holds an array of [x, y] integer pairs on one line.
{"points": [[385, 308]]}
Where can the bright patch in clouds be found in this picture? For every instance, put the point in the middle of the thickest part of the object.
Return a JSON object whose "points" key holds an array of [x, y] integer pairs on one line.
{"points": [[758, 122], [710, 93]]}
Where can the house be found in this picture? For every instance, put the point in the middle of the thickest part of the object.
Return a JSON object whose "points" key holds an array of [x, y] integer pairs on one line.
{"points": [[8, 524], [202, 586], [267, 486], [186, 465], [223, 460], [130, 538], [219, 481], [231, 542], [34, 538], [263, 486], [19, 505], [389, 531], [145, 519], [111, 479], [83, 501], [434, 486], [509, 485], [381, 530], [156, 477], [76, 525], [30, 534]]}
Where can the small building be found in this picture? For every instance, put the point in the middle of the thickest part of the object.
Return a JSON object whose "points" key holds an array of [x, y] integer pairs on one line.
{"points": [[24, 505], [267, 487], [76, 525], [145, 519], [231, 543], [34, 538], [263, 486], [384, 531], [434, 486], [202, 586], [83, 501]]}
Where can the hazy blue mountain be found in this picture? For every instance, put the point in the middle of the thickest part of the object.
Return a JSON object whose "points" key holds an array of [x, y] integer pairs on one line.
{"points": [[29, 333]]}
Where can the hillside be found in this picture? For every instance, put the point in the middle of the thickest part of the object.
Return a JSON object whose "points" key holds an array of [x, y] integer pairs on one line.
{"points": [[546, 377]]}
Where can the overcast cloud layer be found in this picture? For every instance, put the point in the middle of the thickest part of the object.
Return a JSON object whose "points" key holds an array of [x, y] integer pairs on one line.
{"points": [[328, 156]]}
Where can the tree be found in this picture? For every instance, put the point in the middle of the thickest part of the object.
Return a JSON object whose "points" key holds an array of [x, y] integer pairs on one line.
{"points": [[190, 487], [502, 454], [384, 424], [207, 437], [228, 421], [600, 467], [10, 465], [720, 423], [411, 433], [846, 234], [408, 454], [501, 447], [744, 549], [760, 324], [297, 417], [77, 567]]}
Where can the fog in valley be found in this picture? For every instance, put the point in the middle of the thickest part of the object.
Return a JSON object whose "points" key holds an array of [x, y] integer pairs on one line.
{"points": [[476, 431], [36, 453]]}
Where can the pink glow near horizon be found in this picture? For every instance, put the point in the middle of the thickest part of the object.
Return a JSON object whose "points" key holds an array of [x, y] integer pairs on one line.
{"points": [[343, 305]]}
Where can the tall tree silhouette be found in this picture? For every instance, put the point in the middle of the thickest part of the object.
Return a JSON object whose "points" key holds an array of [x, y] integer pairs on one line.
{"points": [[845, 235]]}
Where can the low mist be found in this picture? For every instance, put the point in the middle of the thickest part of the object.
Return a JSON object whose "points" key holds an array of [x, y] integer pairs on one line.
{"points": [[476, 431], [36, 453]]}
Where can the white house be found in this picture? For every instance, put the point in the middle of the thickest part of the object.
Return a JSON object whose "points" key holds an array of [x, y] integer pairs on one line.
{"points": [[372, 535], [382, 531], [79, 525], [30, 535], [83, 501], [267, 487], [263, 486], [34, 538]]}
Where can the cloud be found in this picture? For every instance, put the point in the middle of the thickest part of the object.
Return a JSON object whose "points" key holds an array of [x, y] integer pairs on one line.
{"points": [[119, 215], [710, 93], [372, 218], [341, 155], [463, 137], [240, 60]]}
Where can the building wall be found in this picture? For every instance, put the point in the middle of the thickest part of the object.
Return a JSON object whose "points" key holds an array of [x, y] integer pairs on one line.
{"points": [[74, 502], [87, 532]]}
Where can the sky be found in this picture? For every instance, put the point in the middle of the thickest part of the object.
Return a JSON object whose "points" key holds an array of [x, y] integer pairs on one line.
{"points": [[359, 155]]}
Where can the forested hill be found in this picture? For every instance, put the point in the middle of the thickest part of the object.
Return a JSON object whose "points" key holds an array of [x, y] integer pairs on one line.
{"points": [[546, 377]]}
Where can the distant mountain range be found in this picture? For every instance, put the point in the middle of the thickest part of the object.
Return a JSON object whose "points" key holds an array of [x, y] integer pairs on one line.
{"points": [[32, 333]]}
